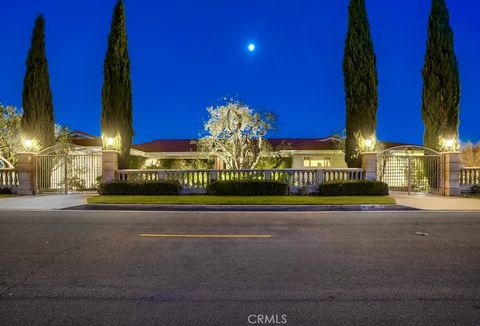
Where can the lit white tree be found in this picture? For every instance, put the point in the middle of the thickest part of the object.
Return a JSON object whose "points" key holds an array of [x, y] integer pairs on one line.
{"points": [[11, 133], [236, 134]]}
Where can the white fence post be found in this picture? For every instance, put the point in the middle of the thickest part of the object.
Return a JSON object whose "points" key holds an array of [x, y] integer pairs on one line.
{"points": [[268, 175], [318, 178], [109, 165], [26, 173], [451, 174], [369, 165]]}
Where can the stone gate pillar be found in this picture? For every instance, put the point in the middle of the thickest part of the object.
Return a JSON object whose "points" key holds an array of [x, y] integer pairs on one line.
{"points": [[451, 174], [369, 165], [26, 173], [109, 165]]}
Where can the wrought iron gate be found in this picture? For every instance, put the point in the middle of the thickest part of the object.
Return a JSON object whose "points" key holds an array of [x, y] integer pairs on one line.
{"points": [[68, 173], [410, 169]]}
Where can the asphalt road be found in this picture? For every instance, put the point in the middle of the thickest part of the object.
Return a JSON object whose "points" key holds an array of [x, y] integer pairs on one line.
{"points": [[317, 268]]}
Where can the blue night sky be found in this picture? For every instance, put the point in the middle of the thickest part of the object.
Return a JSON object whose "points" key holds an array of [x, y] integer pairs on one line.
{"points": [[187, 54]]}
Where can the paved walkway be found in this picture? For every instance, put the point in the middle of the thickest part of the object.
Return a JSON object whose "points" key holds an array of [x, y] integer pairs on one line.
{"points": [[435, 202], [42, 202], [425, 202]]}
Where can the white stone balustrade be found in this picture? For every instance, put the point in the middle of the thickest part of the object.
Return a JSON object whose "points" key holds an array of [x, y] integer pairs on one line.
{"points": [[196, 181], [8, 178], [469, 177]]}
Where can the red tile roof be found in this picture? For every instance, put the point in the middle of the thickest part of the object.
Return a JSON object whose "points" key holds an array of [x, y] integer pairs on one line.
{"points": [[327, 143], [167, 145], [184, 145], [87, 142]]}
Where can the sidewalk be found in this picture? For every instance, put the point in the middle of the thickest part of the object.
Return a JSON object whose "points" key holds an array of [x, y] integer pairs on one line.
{"points": [[438, 203], [41, 202]]}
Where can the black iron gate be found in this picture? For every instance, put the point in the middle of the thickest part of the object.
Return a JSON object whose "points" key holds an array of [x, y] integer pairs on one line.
{"points": [[68, 173], [410, 169]]}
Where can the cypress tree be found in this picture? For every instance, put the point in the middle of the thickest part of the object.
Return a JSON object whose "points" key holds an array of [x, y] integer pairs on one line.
{"points": [[117, 87], [360, 78], [37, 120], [441, 80]]}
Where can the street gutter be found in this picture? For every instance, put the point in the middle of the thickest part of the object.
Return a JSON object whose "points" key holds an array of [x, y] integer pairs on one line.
{"points": [[241, 208]]}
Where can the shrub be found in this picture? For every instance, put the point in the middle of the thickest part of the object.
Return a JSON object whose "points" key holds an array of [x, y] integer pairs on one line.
{"points": [[166, 187], [476, 190], [6, 191], [354, 188], [248, 188]]}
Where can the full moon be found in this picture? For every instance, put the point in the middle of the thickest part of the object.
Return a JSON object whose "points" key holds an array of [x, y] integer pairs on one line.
{"points": [[251, 47]]}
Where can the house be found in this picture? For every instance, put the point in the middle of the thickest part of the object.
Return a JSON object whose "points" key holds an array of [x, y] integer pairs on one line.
{"points": [[302, 153]]}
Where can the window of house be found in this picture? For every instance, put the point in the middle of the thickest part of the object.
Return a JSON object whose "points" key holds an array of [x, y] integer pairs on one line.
{"points": [[317, 161]]}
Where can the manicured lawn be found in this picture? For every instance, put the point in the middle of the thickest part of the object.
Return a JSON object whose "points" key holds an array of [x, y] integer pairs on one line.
{"points": [[242, 200], [5, 195]]}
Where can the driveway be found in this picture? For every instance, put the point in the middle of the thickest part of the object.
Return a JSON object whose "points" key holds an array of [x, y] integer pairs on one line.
{"points": [[42, 202], [438, 203]]}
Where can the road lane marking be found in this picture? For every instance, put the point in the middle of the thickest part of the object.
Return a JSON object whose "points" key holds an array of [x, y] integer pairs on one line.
{"points": [[261, 236]]}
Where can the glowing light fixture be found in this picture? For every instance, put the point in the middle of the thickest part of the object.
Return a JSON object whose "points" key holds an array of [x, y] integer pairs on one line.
{"points": [[110, 141], [28, 144], [368, 144], [251, 47], [449, 143]]}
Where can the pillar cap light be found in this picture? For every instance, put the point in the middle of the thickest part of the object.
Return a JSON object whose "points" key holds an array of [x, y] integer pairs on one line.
{"points": [[110, 141], [368, 143], [449, 143], [28, 144]]}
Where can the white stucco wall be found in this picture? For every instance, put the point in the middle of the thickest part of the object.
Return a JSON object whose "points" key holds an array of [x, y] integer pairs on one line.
{"points": [[337, 158]]}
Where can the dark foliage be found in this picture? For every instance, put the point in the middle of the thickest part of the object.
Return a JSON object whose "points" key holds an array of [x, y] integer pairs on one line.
{"points": [[37, 120], [6, 191], [140, 188], [117, 87], [441, 80], [354, 188], [476, 190], [360, 78], [248, 188]]}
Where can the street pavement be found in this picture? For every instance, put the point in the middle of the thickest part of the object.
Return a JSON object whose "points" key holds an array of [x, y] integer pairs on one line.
{"points": [[310, 268]]}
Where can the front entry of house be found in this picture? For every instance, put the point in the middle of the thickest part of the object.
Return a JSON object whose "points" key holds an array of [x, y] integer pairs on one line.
{"points": [[411, 169], [68, 170]]}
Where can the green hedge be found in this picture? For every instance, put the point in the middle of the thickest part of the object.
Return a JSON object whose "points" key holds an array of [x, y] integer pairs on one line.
{"points": [[5, 191], [353, 188], [140, 188], [248, 188], [476, 190]]}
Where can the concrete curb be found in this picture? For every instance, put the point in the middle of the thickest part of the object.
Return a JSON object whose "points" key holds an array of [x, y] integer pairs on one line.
{"points": [[241, 208]]}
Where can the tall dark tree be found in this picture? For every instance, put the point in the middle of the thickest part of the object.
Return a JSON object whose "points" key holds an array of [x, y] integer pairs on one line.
{"points": [[37, 120], [441, 81], [360, 78], [117, 87]]}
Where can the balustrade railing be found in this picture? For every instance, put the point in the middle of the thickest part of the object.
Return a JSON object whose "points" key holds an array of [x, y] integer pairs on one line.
{"points": [[8, 178], [196, 181], [469, 177]]}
